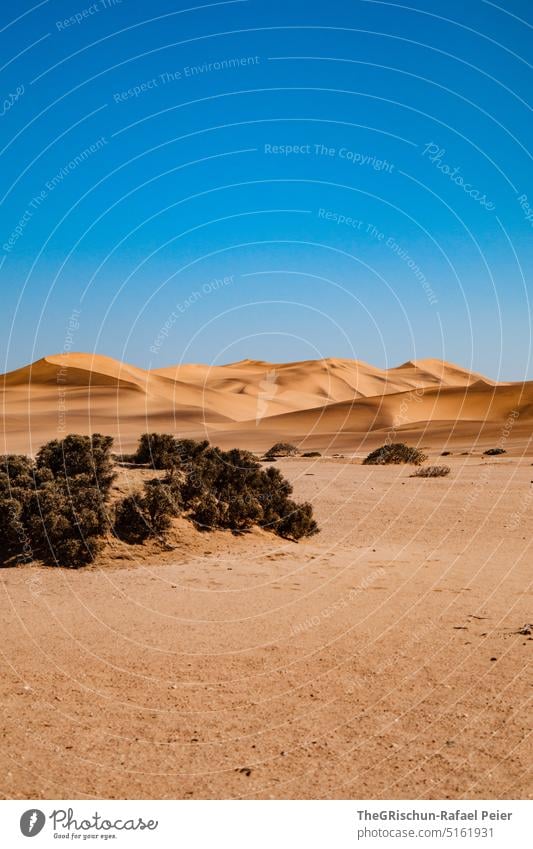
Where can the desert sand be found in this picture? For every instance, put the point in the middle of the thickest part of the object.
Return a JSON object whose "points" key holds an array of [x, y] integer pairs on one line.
{"points": [[320, 404], [379, 659], [386, 657]]}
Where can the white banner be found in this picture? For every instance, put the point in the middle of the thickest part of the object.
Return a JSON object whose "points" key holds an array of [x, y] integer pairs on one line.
{"points": [[262, 824]]}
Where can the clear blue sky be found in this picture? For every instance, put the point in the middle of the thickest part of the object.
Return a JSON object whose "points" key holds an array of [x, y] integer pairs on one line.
{"points": [[358, 171]]}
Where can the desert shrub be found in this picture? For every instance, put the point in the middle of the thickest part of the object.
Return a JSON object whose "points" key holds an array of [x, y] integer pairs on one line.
{"points": [[131, 523], [493, 452], [17, 481], [274, 493], [186, 454], [395, 453], [58, 506], [162, 502], [282, 449], [17, 477], [10, 520], [432, 472], [190, 449], [280, 513], [18, 468], [66, 515], [164, 451], [231, 478], [312, 454], [76, 455], [148, 513], [14, 538], [207, 512], [157, 449], [67, 519], [229, 489], [296, 521], [445, 453]]}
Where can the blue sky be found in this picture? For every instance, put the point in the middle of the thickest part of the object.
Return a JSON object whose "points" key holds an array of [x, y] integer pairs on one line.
{"points": [[267, 180]]}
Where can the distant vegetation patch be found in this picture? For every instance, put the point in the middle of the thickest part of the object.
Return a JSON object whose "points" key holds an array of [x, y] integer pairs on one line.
{"points": [[493, 452], [432, 472], [312, 454], [394, 453], [282, 449]]}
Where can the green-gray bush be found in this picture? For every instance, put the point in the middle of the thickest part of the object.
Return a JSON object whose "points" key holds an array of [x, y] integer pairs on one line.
{"points": [[394, 453], [67, 520], [67, 512], [80, 455], [282, 449], [229, 489], [432, 472], [148, 513]]}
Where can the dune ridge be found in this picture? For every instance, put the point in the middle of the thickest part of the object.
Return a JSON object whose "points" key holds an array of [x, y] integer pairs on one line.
{"points": [[316, 402]]}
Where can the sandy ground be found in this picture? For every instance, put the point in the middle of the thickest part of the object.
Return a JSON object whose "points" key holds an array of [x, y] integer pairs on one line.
{"points": [[380, 659]]}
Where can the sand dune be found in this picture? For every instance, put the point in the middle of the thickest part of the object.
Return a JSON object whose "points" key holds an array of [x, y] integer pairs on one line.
{"points": [[317, 402], [322, 380], [480, 402]]}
